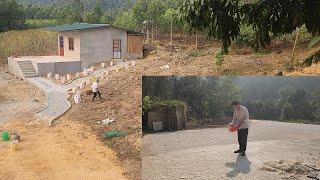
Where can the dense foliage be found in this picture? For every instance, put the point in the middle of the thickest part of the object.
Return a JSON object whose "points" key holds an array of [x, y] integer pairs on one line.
{"points": [[205, 97], [246, 22], [268, 98], [11, 15], [221, 18]]}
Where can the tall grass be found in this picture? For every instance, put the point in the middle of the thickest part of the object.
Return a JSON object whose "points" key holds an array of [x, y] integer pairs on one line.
{"points": [[28, 43]]}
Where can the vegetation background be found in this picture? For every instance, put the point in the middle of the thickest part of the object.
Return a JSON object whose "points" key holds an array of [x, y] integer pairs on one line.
{"points": [[267, 98], [238, 23]]}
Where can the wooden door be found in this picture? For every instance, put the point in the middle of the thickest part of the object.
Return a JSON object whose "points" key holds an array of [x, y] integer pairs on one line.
{"points": [[61, 46], [116, 49]]}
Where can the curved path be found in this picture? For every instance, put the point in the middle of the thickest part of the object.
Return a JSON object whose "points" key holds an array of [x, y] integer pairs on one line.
{"points": [[57, 99], [57, 95]]}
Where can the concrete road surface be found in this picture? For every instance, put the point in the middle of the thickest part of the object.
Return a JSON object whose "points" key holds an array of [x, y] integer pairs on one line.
{"points": [[208, 153]]}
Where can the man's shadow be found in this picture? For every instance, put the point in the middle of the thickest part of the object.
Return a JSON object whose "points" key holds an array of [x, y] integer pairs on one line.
{"points": [[242, 165]]}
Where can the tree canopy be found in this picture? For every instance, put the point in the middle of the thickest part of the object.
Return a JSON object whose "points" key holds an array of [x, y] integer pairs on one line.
{"points": [[221, 18]]}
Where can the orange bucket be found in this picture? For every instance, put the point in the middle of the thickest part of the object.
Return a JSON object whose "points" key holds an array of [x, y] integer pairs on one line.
{"points": [[233, 128]]}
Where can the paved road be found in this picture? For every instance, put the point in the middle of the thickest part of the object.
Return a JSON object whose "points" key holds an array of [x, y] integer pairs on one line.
{"points": [[208, 153]]}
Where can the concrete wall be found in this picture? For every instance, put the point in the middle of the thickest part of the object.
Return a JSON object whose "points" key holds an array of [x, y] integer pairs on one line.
{"points": [[173, 118], [14, 68], [58, 67], [97, 44], [75, 54], [159, 115]]}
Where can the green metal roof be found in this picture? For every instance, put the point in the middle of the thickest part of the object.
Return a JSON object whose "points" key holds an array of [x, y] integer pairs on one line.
{"points": [[76, 26]]}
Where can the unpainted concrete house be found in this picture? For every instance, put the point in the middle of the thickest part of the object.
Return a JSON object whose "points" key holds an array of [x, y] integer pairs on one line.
{"points": [[80, 46]]}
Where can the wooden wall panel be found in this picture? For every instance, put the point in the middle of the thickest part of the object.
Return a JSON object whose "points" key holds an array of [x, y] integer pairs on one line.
{"points": [[135, 44]]}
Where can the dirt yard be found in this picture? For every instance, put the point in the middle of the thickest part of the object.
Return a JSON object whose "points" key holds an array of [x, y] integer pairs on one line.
{"points": [[68, 150], [208, 153]]}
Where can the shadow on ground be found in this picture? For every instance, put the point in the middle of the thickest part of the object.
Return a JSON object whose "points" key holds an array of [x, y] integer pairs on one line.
{"points": [[242, 165]]}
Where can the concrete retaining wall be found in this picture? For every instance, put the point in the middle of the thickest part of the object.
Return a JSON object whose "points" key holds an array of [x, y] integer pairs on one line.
{"points": [[14, 68], [58, 67]]}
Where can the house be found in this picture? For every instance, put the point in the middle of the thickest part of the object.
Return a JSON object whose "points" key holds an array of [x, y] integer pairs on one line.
{"points": [[80, 45]]}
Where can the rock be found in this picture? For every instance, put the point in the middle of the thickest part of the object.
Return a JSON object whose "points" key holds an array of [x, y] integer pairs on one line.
{"points": [[278, 73]]}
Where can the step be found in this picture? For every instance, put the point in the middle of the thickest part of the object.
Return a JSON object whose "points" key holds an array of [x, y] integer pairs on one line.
{"points": [[31, 76], [26, 73], [29, 63], [25, 65], [27, 68]]}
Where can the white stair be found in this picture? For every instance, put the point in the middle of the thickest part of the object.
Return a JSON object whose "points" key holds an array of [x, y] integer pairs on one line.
{"points": [[27, 69]]}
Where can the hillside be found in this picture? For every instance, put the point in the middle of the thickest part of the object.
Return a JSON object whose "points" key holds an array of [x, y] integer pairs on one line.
{"points": [[106, 4]]}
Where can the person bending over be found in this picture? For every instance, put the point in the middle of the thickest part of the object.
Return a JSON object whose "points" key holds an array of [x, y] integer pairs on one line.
{"points": [[95, 90]]}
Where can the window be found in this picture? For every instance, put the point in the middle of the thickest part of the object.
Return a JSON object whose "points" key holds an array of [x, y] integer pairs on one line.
{"points": [[71, 44]]}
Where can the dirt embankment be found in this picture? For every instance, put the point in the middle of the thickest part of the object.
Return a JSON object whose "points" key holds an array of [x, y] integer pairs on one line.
{"points": [[121, 93], [186, 61]]}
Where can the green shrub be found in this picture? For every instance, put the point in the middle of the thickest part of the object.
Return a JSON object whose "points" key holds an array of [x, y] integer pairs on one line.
{"points": [[246, 37], [304, 35], [219, 58], [147, 103]]}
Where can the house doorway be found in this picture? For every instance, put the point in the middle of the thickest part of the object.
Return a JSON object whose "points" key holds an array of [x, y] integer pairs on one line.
{"points": [[116, 49], [61, 46]]}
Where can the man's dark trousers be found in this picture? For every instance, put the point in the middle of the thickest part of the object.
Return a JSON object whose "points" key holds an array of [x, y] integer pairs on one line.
{"points": [[95, 95], [242, 139]]}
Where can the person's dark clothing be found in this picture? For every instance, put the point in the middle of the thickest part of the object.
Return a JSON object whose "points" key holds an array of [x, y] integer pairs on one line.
{"points": [[242, 139], [95, 95]]}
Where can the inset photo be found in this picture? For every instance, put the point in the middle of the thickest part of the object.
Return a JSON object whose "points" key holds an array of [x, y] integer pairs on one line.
{"points": [[230, 127]]}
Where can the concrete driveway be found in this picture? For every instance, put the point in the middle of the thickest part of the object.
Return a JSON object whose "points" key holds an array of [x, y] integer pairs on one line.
{"points": [[208, 153]]}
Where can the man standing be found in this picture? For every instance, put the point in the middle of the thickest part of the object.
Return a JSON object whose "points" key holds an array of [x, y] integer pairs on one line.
{"points": [[95, 90], [241, 119]]}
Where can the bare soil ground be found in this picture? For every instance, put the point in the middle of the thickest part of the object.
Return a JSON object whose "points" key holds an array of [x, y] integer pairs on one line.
{"points": [[238, 62], [68, 150]]}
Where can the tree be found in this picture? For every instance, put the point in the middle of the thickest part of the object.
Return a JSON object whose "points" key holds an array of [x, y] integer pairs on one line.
{"points": [[11, 15], [126, 20], [95, 15], [272, 16], [72, 12], [217, 18]]}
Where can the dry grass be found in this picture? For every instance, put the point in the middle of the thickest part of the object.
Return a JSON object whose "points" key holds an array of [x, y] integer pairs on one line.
{"points": [[121, 93], [28, 43]]}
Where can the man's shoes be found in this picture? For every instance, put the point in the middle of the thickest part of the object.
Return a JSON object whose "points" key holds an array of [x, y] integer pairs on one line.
{"points": [[243, 154], [237, 151]]}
